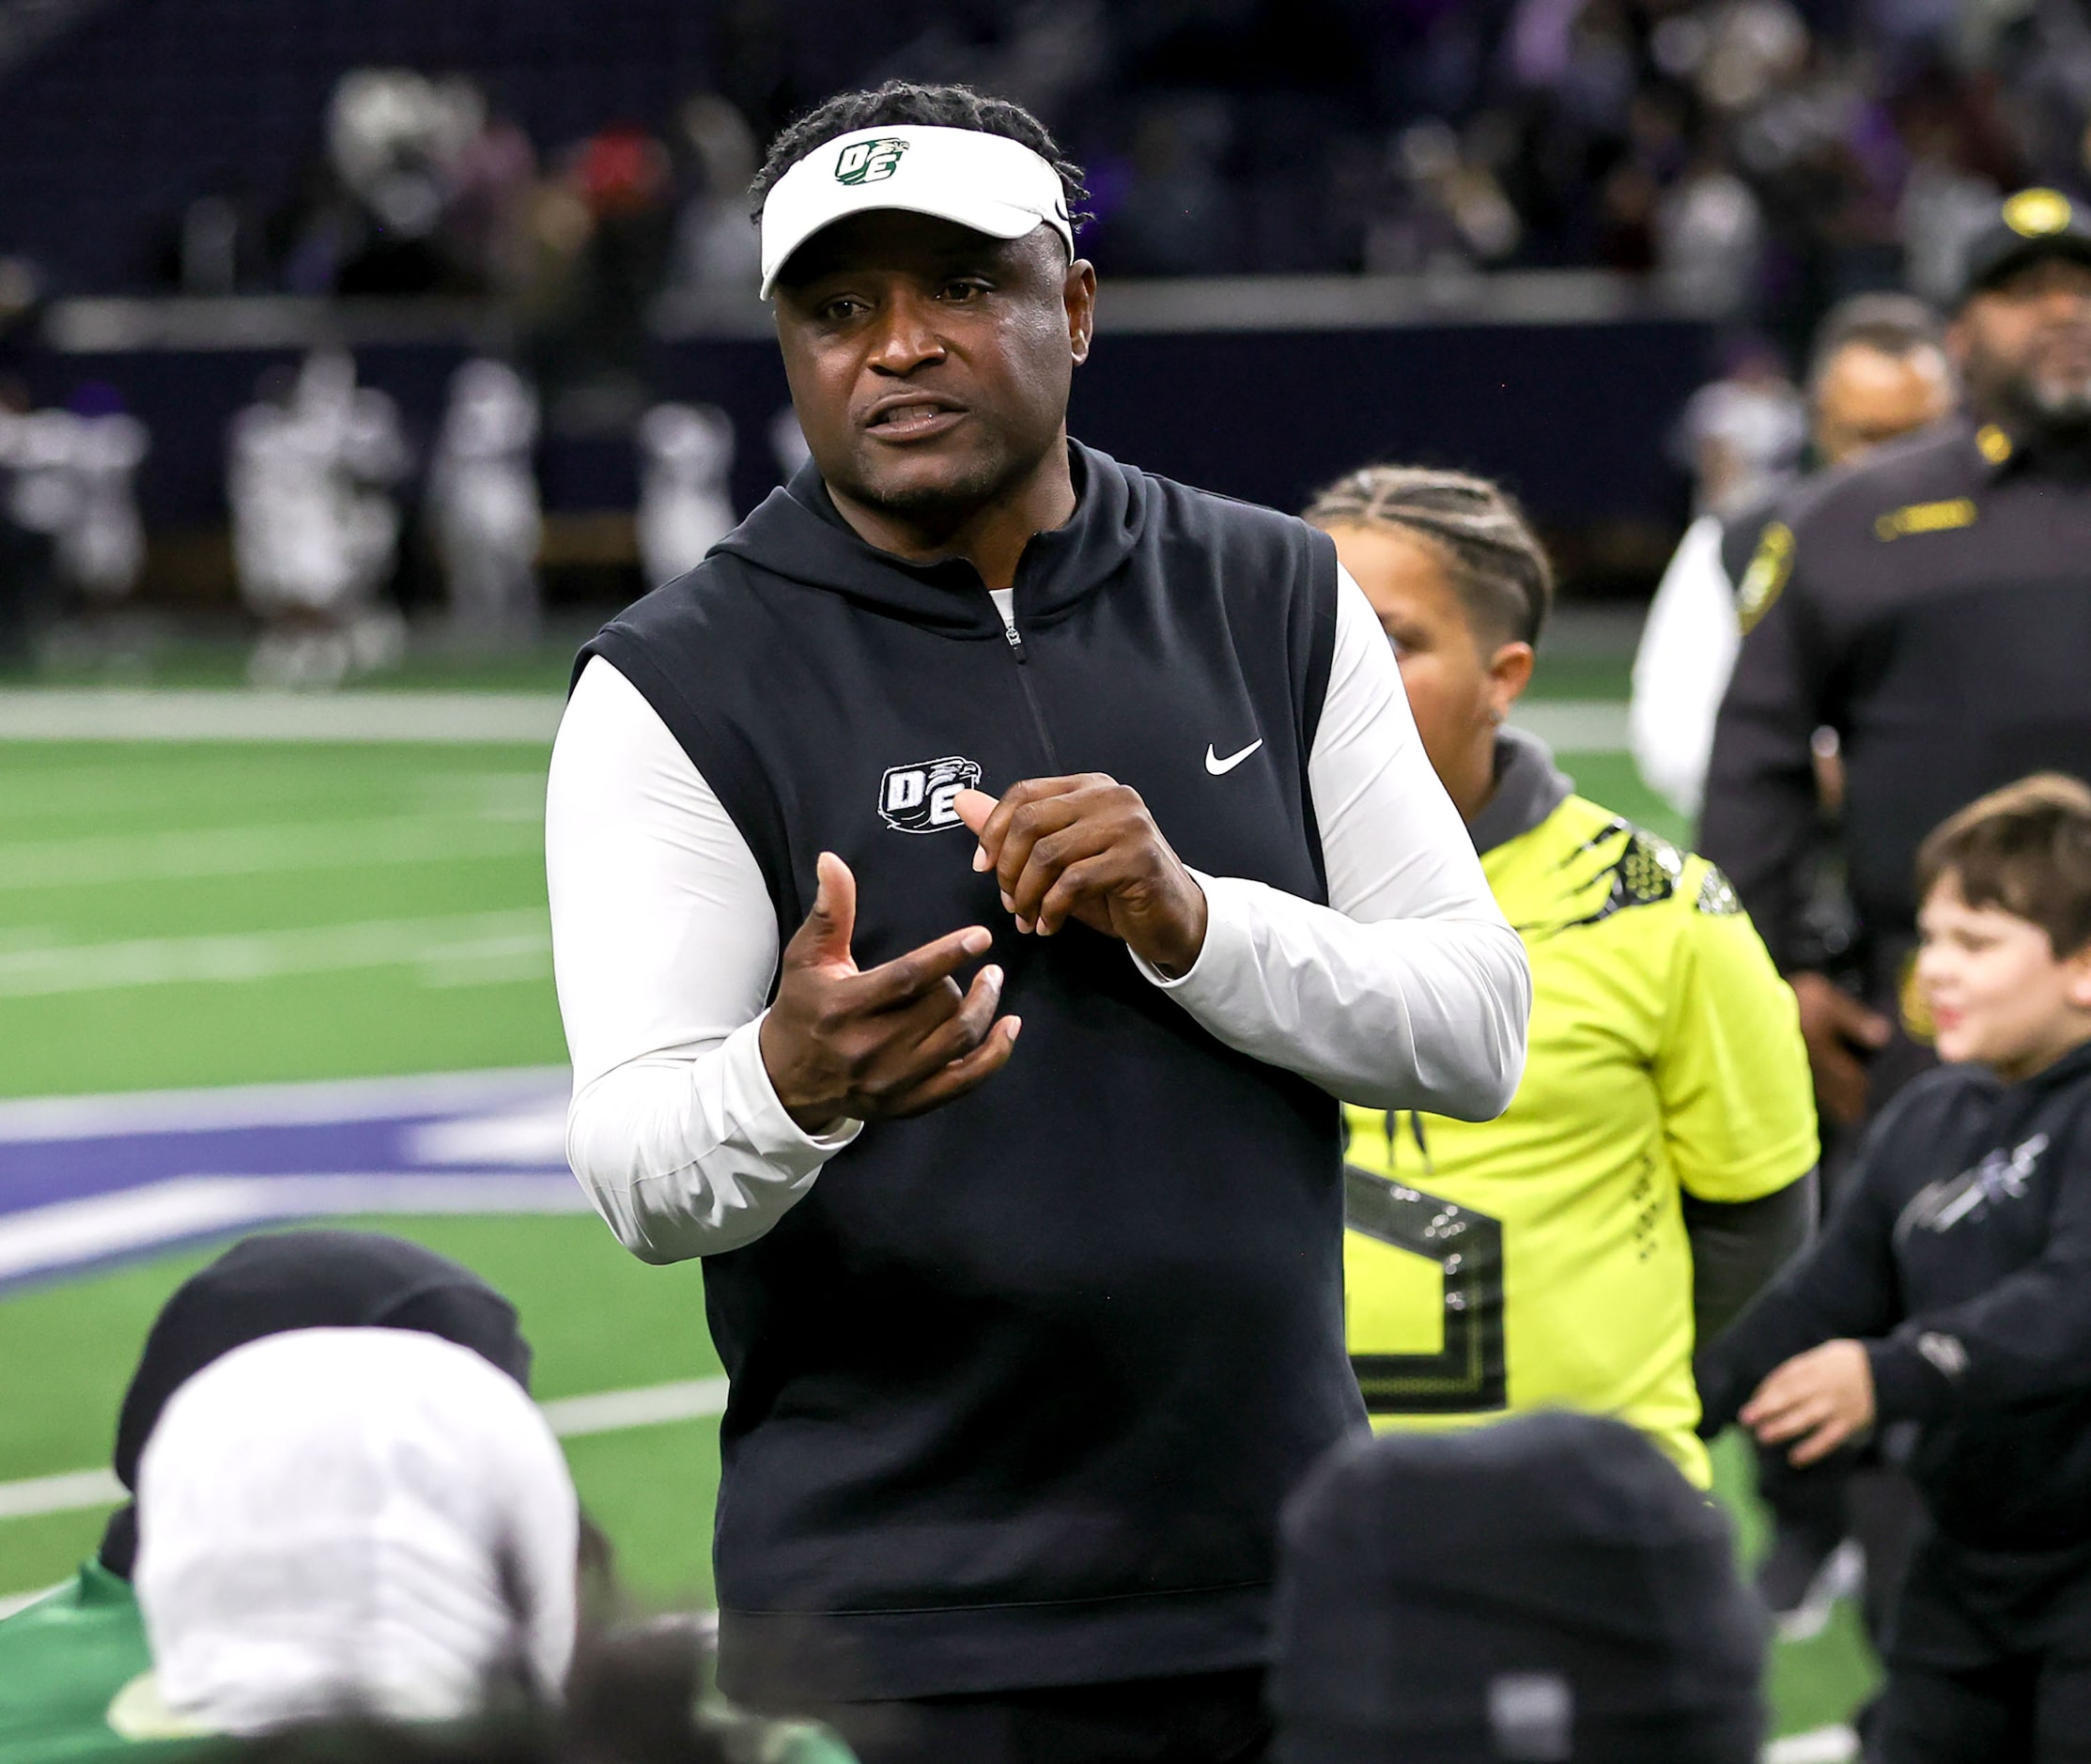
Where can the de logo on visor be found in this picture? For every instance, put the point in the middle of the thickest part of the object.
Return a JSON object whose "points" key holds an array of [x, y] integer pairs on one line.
{"points": [[869, 161], [920, 798]]}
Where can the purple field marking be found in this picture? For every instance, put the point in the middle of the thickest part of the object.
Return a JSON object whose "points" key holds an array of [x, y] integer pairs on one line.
{"points": [[88, 1180]]}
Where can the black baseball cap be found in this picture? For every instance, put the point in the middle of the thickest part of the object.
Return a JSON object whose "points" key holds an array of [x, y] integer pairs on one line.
{"points": [[1546, 1587], [2028, 225]]}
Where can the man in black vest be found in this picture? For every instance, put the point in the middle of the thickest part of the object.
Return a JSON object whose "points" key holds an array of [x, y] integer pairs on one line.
{"points": [[1022, 1370]]}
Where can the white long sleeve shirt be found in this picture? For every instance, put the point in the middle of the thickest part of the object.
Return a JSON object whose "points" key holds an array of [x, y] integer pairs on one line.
{"points": [[1407, 990]]}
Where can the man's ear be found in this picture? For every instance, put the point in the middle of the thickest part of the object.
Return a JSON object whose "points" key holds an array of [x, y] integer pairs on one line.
{"points": [[1510, 672], [1079, 295], [2077, 983]]}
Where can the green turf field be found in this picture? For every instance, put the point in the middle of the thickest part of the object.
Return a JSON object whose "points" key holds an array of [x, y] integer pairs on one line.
{"points": [[176, 915], [597, 1321], [292, 876]]}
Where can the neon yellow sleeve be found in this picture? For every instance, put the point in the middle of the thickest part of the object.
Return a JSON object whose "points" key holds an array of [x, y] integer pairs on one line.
{"points": [[1731, 1071]]}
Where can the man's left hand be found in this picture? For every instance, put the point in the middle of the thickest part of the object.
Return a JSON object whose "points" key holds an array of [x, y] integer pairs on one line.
{"points": [[1822, 1398], [1085, 847]]}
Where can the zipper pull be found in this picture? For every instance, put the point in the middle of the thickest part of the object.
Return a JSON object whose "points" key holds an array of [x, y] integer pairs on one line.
{"points": [[1015, 642]]}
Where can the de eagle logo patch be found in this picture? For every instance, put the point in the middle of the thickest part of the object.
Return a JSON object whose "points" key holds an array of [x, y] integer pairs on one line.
{"points": [[920, 798], [869, 161]]}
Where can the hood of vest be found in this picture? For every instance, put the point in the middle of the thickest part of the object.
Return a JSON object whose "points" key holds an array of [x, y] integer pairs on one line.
{"points": [[796, 533]]}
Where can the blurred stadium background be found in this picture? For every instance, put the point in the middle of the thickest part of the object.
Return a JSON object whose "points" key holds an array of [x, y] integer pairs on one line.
{"points": [[389, 345]]}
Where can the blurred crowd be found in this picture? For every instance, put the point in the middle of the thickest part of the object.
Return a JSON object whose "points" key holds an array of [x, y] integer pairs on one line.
{"points": [[1756, 157], [422, 187], [1755, 160]]}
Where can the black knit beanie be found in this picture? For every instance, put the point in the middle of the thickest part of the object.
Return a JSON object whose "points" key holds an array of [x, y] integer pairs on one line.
{"points": [[1548, 1587]]}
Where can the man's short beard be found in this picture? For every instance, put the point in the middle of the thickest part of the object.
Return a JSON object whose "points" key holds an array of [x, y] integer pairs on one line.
{"points": [[2048, 405], [937, 509]]}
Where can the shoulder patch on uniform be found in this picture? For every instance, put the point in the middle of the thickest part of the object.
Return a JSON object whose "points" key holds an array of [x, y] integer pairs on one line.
{"points": [[1914, 518], [2038, 213], [1766, 576], [1717, 896]]}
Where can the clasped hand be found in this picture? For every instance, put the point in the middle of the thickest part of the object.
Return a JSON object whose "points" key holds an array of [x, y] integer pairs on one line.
{"points": [[841, 1043], [1085, 847]]}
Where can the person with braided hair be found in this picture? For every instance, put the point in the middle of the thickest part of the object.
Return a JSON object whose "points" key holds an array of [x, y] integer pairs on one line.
{"points": [[1655, 1168]]}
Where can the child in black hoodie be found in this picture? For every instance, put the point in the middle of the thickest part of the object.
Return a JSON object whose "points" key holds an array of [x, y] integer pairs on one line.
{"points": [[1952, 1288]]}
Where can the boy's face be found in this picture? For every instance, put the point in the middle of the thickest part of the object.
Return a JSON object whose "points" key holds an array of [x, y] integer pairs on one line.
{"points": [[1996, 991]]}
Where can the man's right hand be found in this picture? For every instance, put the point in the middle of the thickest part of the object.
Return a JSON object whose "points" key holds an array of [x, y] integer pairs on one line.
{"points": [[844, 1043], [1834, 1023]]}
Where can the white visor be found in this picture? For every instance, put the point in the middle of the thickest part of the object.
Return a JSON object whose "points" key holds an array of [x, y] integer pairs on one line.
{"points": [[986, 181]]}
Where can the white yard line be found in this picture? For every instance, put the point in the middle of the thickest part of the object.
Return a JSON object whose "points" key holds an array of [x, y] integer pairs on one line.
{"points": [[66, 1234], [1580, 726], [32, 714], [571, 1417], [652, 1405], [14, 1601], [222, 851], [34, 972], [1818, 1746], [73, 1493], [43, 1118], [507, 784]]}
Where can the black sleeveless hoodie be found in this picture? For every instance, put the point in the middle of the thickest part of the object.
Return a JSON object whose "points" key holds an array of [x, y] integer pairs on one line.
{"points": [[1017, 1388]]}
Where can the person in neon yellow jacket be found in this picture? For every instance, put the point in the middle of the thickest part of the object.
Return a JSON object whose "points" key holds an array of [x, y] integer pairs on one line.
{"points": [[1655, 1166]]}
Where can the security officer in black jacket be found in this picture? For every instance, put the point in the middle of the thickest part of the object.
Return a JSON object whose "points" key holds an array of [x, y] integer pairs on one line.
{"points": [[1933, 607]]}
